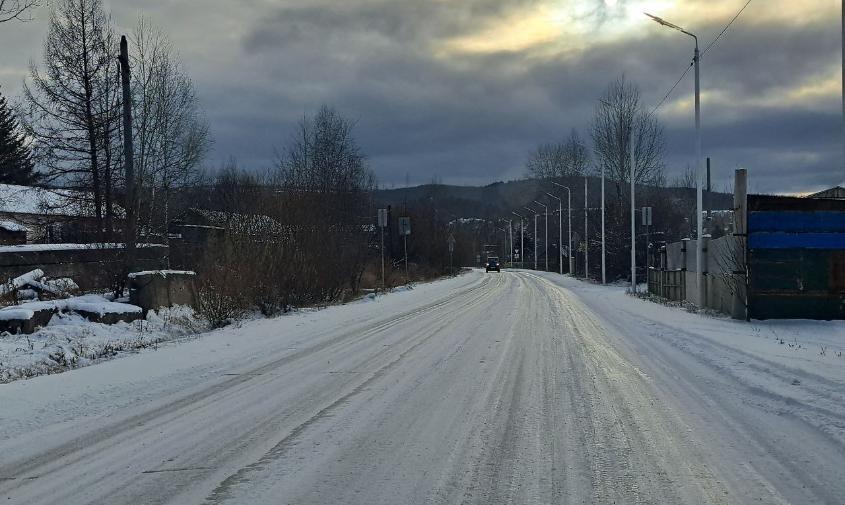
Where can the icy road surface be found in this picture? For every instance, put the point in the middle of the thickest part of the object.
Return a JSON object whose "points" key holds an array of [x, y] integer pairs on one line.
{"points": [[490, 389]]}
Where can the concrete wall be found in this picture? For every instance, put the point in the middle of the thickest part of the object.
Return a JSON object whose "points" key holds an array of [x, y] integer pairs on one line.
{"points": [[91, 267], [720, 278]]}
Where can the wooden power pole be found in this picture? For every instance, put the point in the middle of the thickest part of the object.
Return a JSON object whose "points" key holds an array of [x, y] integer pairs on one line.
{"points": [[128, 156]]}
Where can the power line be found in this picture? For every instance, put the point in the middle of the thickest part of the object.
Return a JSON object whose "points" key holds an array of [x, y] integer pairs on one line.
{"points": [[726, 28], [668, 93], [686, 71]]}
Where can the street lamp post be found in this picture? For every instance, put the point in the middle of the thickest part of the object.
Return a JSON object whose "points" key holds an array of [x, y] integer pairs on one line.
{"points": [[569, 223], [521, 237], [586, 235], [546, 221], [536, 214], [559, 231], [631, 174], [510, 232], [699, 274]]}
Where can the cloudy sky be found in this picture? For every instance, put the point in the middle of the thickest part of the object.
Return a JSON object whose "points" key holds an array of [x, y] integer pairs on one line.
{"points": [[462, 90]]}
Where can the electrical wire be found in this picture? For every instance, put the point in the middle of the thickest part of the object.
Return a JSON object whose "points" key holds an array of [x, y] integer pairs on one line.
{"points": [[668, 93], [686, 71], [726, 29]]}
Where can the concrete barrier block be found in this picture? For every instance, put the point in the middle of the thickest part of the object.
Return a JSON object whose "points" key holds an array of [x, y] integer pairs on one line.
{"points": [[156, 289]]}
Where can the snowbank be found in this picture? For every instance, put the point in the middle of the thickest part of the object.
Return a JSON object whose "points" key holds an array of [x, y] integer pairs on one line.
{"points": [[12, 226], [14, 313], [71, 340], [162, 273]]}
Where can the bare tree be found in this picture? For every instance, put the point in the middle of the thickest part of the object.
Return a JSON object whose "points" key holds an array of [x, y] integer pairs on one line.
{"points": [[71, 109], [687, 179], [328, 189], [171, 134], [16, 9], [561, 159], [619, 120]]}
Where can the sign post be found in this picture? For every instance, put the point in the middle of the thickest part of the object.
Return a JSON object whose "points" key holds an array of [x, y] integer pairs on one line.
{"points": [[382, 224], [405, 230]]}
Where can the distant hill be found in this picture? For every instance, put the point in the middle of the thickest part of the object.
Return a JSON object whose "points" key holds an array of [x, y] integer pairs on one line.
{"points": [[501, 198]]}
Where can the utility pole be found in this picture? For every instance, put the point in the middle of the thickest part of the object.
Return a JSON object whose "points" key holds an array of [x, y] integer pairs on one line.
{"points": [[546, 241], [535, 234], [707, 188], [521, 238], [128, 155], [586, 235], [510, 232], [405, 229], [559, 231], [382, 224], [699, 252], [633, 213], [603, 249], [569, 223], [699, 274]]}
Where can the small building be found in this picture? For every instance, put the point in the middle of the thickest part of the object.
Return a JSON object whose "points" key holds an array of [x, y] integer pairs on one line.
{"points": [[836, 192], [40, 215]]}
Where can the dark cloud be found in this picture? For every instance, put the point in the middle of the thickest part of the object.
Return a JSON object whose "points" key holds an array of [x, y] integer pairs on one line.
{"points": [[472, 118]]}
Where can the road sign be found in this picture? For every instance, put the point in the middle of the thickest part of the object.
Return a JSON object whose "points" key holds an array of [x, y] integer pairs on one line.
{"points": [[646, 216], [404, 226], [451, 242], [382, 218]]}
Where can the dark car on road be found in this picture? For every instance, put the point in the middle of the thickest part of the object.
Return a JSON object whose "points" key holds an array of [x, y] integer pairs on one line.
{"points": [[492, 264]]}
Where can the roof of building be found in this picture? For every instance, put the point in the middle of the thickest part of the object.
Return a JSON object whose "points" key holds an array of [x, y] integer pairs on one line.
{"points": [[12, 226], [834, 192], [43, 201]]}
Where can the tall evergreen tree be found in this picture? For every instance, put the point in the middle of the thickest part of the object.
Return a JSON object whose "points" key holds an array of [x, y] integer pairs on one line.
{"points": [[16, 165]]}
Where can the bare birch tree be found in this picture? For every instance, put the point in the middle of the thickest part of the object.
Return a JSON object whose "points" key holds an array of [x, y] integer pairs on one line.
{"points": [[619, 120], [328, 191], [171, 134]]}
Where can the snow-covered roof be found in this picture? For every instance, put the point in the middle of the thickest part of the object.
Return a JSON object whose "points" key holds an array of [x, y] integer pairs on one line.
{"points": [[247, 224], [162, 273], [66, 247], [12, 226], [42, 201]]}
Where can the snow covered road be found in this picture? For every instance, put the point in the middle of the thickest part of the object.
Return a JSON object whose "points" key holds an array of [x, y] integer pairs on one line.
{"points": [[515, 388]]}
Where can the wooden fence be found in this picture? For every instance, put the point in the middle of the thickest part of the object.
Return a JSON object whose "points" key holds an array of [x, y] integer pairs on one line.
{"points": [[669, 284]]}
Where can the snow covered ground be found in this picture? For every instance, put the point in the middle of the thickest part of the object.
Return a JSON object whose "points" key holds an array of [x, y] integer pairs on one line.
{"points": [[517, 387], [71, 341]]}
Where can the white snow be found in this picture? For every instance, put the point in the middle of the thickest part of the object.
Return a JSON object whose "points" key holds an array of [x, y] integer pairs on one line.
{"points": [[517, 387], [66, 247], [790, 344], [12, 226], [71, 341], [16, 314], [31, 200], [57, 286], [15, 199], [94, 303], [21, 280], [162, 273]]}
